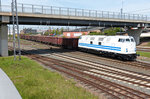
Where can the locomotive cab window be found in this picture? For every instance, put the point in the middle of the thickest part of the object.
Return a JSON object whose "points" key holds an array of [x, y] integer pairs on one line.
{"points": [[127, 40], [132, 40], [121, 40]]}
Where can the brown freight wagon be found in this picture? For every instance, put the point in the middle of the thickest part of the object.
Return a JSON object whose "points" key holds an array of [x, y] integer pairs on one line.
{"points": [[54, 41], [50, 40], [42, 38], [22, 36], [32, 38], [39, 38], [70, 43], [27, 37], [47, 39], [60, 41], [35, 38]]}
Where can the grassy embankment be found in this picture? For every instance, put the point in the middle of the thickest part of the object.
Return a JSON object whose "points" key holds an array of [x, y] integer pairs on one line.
{"points": [[148, 44], [144, 54], [35, 82]]}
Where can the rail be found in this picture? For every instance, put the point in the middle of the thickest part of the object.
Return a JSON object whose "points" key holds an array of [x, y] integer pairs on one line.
{"points": [[62, 11]]}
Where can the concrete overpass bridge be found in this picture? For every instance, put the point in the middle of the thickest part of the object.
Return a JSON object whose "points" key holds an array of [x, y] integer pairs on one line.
{"points": [[50, 15]]}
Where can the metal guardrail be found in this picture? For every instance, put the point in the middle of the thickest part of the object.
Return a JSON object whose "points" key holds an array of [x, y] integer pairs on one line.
{"points": [[52, 10]]}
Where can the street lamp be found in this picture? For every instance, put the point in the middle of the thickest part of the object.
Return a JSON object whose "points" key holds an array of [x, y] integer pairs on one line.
{"points": [[121, 10]]}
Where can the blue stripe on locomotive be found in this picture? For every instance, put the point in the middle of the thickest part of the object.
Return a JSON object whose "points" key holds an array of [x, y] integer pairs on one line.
{"points": [[101, 46]]}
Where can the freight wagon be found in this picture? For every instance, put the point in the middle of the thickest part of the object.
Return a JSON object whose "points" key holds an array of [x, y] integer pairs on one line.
{"points": [[68, 43]]}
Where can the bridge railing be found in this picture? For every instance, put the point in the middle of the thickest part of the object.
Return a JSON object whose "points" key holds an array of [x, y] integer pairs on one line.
{"points": [[62, 11]]}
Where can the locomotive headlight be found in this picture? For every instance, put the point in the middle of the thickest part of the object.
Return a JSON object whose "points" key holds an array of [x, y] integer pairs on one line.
{"points": [[126, 49]]}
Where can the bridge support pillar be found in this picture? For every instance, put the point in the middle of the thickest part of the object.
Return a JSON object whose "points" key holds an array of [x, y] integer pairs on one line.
{"points": [[135, 33], [3, 40]]}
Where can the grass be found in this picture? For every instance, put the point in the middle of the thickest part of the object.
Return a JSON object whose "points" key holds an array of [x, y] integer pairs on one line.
{"points": [[145, 40], [148, 44], [144, 54], [35, 82]]}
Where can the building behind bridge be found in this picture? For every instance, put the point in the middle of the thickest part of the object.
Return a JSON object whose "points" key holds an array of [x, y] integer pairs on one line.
{"points": [[82, 31]]}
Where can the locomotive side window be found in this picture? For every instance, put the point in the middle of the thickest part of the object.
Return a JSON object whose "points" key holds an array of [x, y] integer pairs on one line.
{"points": [[101, 39], [121, 40], [92, 38], [87, 38], [108, 39]]}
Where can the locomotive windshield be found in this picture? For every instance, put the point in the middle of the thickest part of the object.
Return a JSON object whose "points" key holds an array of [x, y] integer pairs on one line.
{"points": [[132, 40], [126, 40], [121, 40]]}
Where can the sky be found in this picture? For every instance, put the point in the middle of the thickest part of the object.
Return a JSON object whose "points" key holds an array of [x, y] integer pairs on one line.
{"points": [[129, 6]]}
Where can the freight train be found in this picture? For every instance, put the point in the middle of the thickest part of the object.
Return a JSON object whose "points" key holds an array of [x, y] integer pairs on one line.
{"points": [[67, 43], [122, 47]]}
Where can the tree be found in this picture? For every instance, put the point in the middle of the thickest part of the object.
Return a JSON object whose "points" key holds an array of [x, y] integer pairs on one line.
{"points": [[46, 33], [112, 31], [96, 33], [57, 31], [61, 30], [53, 31]]}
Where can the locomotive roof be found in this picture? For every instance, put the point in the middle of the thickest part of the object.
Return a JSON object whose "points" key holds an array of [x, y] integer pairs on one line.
{"points": [[118, 36]]}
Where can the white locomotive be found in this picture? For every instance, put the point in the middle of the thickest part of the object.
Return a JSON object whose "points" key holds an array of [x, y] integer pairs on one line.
{"points": [[122, 47]]}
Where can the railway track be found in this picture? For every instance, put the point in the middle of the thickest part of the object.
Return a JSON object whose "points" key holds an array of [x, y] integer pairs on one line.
{"points": [[98, 75], [111, 72], [138, 64], [78, 71], [143, 49], [106, 71]]}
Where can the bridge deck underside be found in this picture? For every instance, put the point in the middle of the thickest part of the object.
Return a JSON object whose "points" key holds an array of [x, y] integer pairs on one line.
{"points": [[40, 19]]}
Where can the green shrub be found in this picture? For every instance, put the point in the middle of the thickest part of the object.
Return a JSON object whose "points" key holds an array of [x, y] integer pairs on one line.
{"points": [[96, 33], [112, 31]]}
